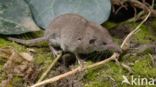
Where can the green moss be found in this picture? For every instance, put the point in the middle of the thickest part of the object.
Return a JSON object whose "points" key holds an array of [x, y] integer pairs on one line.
{"points": [[144, 35], [109, 24], [101, 76], [153, 23], [6, 43], [17, 82], [129, 58], [42, 58], [143, 67], [98, 84]]}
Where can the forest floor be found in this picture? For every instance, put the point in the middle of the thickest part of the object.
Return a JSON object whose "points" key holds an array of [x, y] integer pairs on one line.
{"points": [[140, 57]]}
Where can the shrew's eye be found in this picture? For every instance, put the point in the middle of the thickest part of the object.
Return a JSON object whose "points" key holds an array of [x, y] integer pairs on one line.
{"points": [[104, 43], [92, 41], [79, 38]]}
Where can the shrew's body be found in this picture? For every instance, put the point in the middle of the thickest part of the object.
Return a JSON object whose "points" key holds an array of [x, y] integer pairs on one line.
{"points": [[73, 33]]}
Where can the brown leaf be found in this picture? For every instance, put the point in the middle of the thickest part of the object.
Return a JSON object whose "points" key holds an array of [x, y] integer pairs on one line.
{"points": [[27, 56], [19, 64]]}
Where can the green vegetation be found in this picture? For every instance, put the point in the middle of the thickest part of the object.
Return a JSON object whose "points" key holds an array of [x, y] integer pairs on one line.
{"points": [[106, 76]]}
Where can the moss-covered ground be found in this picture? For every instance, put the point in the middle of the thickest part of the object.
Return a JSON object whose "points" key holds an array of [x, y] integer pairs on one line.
{"points": [[109, 75]]}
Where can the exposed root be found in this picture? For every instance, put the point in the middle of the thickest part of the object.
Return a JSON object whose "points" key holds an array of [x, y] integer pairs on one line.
{"points": [[135, 4]]}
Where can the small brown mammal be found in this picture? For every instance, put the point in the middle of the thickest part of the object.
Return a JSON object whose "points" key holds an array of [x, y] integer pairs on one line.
{"points": [[73, 33]]}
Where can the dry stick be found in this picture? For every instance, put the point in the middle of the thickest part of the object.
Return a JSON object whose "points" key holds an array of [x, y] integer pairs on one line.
{"points": [[49, 68], [78, 69], [152, 8], [56, 78], [152, 4], [137, 16], [152, 59], [134, 31], [140, 5]]}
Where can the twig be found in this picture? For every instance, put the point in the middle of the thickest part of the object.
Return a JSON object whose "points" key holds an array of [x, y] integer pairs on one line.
{"points": [[56, 78], [49, 68], [134, 31], [152, 4], [152, 59], [138, 4], [127, 67], [78, 69], [136, 17]]}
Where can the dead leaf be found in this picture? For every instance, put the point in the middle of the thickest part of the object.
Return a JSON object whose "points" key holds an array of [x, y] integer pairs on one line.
{"points": [[18, 64], [27, 56], [31, 50]]}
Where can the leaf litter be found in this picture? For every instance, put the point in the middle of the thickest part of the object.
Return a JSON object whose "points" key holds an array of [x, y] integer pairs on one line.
{"points": [[17, 64]]}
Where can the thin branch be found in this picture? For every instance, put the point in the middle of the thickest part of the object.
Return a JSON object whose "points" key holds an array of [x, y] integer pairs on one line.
{"points": [[134, 31], [49, 68], [152, 59], [153, 4], [56, 78], [78, 69]]}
